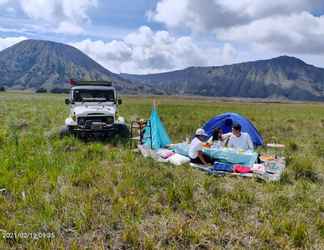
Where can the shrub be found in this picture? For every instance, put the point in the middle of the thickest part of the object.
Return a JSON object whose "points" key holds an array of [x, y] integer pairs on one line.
{"points": [[303, 169], [2, 89], [300, 235], [292, 146], [60, 91], [41, 90], [319, 149], [174, 196], [320, 226], [131, 236]]}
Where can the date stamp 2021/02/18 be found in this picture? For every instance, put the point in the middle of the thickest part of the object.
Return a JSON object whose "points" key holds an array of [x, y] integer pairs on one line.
{"points": [[27, 235]]}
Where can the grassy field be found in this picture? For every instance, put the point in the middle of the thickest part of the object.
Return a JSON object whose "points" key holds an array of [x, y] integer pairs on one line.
{"points": [[105, 196]]}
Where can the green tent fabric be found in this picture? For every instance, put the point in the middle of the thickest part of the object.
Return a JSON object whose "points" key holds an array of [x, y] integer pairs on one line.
{"points": [[155, 134]]}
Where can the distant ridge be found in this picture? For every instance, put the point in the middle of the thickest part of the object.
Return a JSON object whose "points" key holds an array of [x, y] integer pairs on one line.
{"points": [[282, 77], [34, 64]]}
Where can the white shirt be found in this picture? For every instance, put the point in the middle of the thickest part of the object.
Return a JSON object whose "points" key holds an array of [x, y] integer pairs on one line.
{"points": [[195, 146], [243, 142]]}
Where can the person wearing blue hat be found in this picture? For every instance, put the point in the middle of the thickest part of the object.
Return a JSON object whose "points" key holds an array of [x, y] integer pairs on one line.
{"points": [[196, 146]]}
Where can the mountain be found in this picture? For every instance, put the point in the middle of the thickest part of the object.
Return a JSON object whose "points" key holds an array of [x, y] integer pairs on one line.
{"points": [[282, 77], [32, 64]]}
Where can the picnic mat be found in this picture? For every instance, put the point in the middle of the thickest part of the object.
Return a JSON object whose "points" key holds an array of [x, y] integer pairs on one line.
{"points": [[271, 169], [268, 171], [246, 158]]}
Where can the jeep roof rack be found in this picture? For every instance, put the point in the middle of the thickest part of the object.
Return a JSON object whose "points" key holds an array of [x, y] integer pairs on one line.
{"points": [[74, 82]]}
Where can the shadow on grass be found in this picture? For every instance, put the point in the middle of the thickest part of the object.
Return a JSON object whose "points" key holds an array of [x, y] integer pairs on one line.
{"points": [[113, 140]]}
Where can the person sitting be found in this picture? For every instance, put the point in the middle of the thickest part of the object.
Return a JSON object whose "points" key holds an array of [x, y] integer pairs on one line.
{"points": [[240, 140], [196, 146], [219, 139]]}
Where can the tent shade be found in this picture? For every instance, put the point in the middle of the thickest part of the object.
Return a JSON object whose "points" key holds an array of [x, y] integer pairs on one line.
{"points": [[155, 134], [225, 122]]}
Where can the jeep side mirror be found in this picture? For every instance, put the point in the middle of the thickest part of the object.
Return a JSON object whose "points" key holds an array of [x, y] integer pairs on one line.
{"points": [[120, 101], [67, 101]]}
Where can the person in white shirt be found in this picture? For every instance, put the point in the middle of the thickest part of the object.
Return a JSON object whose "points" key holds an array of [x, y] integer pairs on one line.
{"points": [[196, 146], [240, 140]]}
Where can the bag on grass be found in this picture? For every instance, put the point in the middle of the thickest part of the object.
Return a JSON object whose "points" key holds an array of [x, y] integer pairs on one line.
{"points": [[223, 167], [164, 153], [258, 168], [178, 159], [242, 169]]}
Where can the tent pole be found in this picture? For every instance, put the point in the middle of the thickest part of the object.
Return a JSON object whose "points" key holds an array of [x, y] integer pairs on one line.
{"points": [[151, 139], [151, 135]]}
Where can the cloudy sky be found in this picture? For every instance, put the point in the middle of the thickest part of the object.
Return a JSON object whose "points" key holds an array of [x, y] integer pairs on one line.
{"points": [[148, 36]]}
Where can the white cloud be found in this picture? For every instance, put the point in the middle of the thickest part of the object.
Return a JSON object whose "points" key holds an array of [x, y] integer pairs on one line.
{"points": [[146, 51], [66, 16], [283, 26], [208, 15], [297, 33], [3, 2], [170, 12], [69, 28], [258, 9], [38, 9], [11, 11], [9, 41]]}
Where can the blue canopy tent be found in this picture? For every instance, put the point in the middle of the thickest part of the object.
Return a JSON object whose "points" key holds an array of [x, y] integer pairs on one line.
{"points": [[155, 134], [225, 122]]}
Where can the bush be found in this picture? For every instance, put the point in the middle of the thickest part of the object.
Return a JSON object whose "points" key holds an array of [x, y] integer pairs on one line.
{"points": [[2, 89], [299, 235], [60, 91], [292, 146], [41, 90], [304, 169]]}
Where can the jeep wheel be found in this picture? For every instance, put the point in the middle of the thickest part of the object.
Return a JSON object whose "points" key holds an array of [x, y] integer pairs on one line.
{"points": [[122, 131], [65, 131]]}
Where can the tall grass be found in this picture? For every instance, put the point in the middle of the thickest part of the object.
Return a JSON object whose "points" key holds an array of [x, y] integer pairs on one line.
{"points": [[104, 195]]}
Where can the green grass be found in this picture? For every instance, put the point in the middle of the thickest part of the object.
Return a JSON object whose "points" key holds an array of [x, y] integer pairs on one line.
{"points": [[101, 195]]}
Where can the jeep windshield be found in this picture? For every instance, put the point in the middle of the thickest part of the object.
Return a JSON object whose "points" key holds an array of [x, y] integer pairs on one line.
{"points": [[93, 95]]}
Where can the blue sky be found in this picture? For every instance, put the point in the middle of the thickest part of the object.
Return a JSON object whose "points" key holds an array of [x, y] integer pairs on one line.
{"points": [[148, 36], [113, 18]]}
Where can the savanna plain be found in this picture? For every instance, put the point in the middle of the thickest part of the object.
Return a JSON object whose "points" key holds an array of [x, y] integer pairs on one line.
{"points": [[104, 195]]}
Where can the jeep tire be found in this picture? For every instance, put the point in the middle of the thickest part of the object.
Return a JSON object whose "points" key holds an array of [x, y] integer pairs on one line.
{"points": [[65, 131], [122, 131]]}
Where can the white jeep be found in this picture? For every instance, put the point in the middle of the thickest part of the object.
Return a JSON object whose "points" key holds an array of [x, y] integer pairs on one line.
{"points": [[93, 111]]}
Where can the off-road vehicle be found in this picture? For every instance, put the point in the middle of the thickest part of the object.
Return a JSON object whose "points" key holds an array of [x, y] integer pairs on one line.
{"points": [[93, 111]]}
